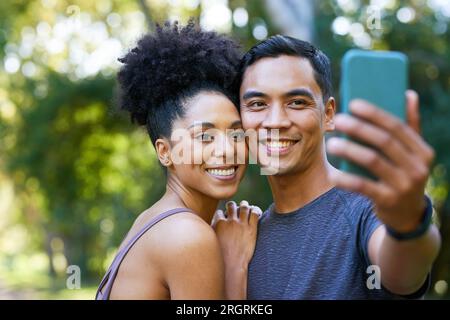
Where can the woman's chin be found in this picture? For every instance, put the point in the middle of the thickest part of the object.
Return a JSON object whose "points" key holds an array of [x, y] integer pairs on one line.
{"points": [[222, 193], [223, 187]]}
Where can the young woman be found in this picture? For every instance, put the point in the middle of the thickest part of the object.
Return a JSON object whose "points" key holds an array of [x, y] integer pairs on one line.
{"points": [[178, 83]]}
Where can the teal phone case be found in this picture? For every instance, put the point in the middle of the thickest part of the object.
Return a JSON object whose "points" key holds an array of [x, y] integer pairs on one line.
{"points": [[380, 77]]}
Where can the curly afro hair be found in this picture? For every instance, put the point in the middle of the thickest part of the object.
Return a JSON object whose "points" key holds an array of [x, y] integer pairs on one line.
{"points": [[171, 66]]}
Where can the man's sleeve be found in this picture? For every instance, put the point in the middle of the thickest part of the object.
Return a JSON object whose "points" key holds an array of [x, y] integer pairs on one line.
{"points": [[368, 224]]}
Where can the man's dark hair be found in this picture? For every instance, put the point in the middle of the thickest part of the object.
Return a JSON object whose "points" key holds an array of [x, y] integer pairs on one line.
{"points": [[278, 45], [169, 67]]}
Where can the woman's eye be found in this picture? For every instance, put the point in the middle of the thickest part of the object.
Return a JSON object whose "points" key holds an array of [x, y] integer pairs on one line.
{"points": [[238, 136], [205, 137]]}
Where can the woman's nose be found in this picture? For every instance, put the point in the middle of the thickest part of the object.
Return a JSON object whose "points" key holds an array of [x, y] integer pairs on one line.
{"points": [[224, 148]]}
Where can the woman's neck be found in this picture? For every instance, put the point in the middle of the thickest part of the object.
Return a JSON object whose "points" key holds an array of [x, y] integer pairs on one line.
{"points": [[181, 196]]}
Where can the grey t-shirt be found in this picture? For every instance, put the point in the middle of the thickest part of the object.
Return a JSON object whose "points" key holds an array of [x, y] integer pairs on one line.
{"points": [[318, 251]]}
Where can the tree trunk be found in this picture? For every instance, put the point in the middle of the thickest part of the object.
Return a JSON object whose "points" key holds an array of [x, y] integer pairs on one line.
{"points": [[49, 251], [294, 18], [441, 266], [146, 11]]}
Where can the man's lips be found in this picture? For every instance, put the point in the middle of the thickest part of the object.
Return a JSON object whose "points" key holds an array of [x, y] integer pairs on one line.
{"points": [[280, 146]]}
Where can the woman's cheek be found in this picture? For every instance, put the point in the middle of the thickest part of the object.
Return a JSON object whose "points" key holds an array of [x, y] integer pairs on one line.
{"points": [[208, 156], [241, 152], [197, 153]]}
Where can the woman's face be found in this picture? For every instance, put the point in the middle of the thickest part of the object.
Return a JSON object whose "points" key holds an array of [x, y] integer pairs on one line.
{"points": [[207, 148]]}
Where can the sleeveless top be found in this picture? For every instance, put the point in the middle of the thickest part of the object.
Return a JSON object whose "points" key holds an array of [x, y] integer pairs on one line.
{"points": [[104, 289]]}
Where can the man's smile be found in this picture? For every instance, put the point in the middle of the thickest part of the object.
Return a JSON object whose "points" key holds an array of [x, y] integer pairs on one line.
{"points": [[280, 146]]}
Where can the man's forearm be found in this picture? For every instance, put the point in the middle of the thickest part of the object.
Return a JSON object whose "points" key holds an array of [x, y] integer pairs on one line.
{"points": [[404, 265]]}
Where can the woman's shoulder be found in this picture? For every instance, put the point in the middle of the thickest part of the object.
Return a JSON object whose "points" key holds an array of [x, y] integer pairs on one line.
{"points": [[181, 233]]}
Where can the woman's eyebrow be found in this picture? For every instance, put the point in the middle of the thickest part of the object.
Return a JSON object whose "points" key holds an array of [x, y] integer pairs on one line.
{"points": [[236, 124], [202, 124]]}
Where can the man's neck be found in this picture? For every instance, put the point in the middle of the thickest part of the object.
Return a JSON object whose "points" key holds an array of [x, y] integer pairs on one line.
{"points": [[293, 191]]}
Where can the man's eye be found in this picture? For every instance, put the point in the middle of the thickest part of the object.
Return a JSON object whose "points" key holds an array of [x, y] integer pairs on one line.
{"points": [[297, 103], [257, 104]]}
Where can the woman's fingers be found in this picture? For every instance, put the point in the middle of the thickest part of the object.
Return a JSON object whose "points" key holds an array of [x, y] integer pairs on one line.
{"points": [[255, 214], [244, 210], [218, 215], [231, 209], [243, 213]]}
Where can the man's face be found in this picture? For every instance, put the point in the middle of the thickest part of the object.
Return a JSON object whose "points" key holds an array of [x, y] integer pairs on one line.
{"points": [[282, 93]]}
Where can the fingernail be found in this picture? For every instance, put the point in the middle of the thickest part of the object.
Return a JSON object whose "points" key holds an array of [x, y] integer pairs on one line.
{"points": [[230, 203]]}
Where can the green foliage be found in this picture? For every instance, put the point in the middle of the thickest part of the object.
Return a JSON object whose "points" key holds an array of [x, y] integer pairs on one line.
{"points": [[81, 172], [87, 163]]}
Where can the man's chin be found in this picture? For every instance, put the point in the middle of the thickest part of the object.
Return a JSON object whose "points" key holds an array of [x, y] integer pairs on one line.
{"points": [[275, 170]]}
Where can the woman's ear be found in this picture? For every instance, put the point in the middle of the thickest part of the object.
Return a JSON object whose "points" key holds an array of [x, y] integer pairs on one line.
{"points": [[330, 111], [162, 147]]}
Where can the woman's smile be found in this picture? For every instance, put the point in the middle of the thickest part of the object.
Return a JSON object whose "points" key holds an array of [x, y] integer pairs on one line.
{"points": [[226, 173]]}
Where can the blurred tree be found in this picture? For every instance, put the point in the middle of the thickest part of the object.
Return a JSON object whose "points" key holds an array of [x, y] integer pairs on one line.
{"points": [[93, 171], [82, 173]]}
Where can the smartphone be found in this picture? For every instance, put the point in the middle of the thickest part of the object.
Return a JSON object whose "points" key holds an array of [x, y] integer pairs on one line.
{"points": [[381, 78]]}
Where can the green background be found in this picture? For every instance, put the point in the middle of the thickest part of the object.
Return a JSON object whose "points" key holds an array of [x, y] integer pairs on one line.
{"points": [[74, 173]]}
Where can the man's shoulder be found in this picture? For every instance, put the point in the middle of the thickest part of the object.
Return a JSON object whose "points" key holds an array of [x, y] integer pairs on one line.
{"points": [[338, 196], [337, 200], [352, 199]]}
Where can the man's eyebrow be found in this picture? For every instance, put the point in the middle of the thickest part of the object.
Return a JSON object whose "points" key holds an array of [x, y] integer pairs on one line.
{"points": [[202, 124], [299, 92], [253, 94]]}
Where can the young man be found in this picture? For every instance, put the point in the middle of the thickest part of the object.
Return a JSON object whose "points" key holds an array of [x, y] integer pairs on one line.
{"points": [[329, 234]]}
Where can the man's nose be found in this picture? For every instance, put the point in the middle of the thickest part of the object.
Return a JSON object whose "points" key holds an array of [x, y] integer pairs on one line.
{"points": [[277, 118]]}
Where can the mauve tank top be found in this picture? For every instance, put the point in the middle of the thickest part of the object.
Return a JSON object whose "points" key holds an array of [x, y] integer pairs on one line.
{"points": [[104, 289]]}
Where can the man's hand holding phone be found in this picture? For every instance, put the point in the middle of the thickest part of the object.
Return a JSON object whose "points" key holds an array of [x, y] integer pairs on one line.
{"points": [[394, 152]]}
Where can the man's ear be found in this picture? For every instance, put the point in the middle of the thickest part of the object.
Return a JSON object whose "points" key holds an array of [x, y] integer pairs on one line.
{"points": [[162, 147], [330, 111]]}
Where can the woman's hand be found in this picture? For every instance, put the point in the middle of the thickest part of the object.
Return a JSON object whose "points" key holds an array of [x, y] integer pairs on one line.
{"points": [[236, 230]]}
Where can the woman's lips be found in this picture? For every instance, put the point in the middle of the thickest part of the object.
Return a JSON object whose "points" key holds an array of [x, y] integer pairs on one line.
{"points": [[223, 173]]}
